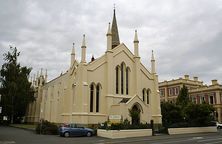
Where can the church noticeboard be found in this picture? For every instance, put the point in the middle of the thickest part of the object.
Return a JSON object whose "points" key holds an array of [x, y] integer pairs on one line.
{"points": [[115, 118]]}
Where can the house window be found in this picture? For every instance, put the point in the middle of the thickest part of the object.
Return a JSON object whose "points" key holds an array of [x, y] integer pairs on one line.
{"points": [[97, 97], [194, 99], [202, 99], [177, 90], [170, 91], [161, 92], [211, 101], [91, 97]]}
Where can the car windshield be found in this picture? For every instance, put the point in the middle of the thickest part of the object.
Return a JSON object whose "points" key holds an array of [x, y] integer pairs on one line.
{"points": [[79, 126], [72, 125]]}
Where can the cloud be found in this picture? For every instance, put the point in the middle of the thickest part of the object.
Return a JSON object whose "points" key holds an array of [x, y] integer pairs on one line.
{"points": [[184, 34]]}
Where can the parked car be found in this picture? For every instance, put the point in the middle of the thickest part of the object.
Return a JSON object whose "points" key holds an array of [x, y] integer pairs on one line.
{"points": [[219, 125], [68, 130]]}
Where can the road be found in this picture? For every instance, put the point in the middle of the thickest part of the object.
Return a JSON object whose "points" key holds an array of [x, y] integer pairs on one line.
{"points": [[10, 135]]}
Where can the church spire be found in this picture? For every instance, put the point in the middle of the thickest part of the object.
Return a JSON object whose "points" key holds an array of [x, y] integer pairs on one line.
{"points": [[115, 34]]}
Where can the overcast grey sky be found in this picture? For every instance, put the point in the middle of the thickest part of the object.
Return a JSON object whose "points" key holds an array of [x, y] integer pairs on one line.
{"points": [[186, 35]]}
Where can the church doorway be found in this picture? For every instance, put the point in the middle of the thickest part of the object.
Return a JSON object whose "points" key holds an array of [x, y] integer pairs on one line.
{"points": [[135, 114]]}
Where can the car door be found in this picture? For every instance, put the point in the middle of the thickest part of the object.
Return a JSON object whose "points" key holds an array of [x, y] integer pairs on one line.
{"points": [[74, 131], [82, 130]]}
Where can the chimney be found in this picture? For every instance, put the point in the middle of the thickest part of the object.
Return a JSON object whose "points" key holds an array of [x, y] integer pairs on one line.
{"points": [[186, 77], [214, 82], [195, 78]]}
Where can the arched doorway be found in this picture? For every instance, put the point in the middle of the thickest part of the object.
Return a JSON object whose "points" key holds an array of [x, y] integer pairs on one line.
{"points": [[135, 114]]}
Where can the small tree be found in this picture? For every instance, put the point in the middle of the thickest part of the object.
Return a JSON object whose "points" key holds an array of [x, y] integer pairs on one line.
{"points": [[171, 113], [135, 115], [199, 114], [183, 97], [15, 88]]}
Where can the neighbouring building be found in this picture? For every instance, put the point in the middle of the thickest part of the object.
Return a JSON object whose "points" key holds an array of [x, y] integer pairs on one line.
{"points": [[211, 94], [103, 89], [169, 90], [198, 92]]}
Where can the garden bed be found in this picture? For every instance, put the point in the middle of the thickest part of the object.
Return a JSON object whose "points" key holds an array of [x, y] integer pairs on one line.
{"points": [[173, 131]]}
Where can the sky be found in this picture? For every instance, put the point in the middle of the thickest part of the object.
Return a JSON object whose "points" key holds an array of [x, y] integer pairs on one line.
{"points": [[186, 35]]}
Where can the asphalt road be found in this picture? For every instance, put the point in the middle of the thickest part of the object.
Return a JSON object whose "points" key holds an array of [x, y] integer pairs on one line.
{"points": [[10, 135]]}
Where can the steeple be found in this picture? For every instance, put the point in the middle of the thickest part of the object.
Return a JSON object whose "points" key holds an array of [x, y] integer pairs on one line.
{"points": [[115, 34]]}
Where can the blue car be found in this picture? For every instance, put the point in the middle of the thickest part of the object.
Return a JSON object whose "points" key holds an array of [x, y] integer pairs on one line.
{"points": [[75, 130]]}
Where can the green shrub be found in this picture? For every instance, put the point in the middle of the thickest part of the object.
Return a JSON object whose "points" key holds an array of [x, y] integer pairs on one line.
{"points": [[163, 130], [46, 127], [123, 126]]}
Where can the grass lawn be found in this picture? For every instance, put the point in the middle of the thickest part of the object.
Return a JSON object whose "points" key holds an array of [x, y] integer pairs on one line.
{"points": [[25, 126]]}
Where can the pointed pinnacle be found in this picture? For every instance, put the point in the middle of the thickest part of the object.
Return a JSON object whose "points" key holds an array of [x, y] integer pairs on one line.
{"points": [[84, 41], [109, 30], [152, 58], [45, 72], [73, 48], [136, 37]]}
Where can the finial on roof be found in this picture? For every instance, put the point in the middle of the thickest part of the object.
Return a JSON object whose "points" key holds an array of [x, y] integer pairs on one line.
{"points": [[84, 41], [37, 74], [73, 48], [83, 57], [136, 37], [109, 30], [92, 59], [152, 58], [41, 72], [153, 65]]}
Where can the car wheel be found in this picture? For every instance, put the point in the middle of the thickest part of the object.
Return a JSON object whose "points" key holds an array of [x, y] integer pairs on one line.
{"points": [[66, 134], [89, 134]]}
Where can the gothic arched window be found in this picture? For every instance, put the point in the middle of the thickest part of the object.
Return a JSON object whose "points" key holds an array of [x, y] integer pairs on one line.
{"points": [[117, 80], [144, 94], [148, 96], [127, 81], [97, 97], [122, 78], [91, 97]]}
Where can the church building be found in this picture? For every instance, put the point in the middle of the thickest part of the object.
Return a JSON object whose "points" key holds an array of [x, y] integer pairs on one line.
{"points": [[106, 88]]}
